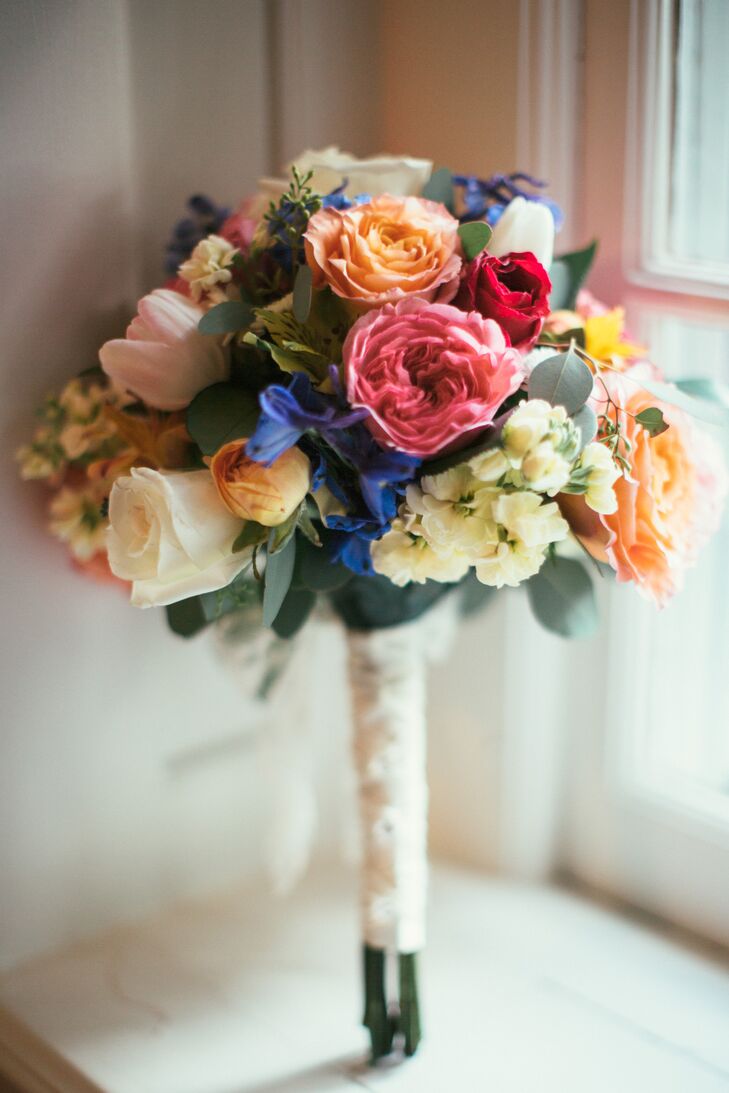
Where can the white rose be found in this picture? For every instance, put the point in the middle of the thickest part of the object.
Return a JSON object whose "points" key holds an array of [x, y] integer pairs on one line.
{"points": [[171, 536], [524, 225], [401, 176], [164, 360]]}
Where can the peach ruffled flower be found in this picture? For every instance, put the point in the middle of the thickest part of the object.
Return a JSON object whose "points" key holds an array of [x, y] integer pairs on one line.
{"points": [[390, 249], [667, 507]]}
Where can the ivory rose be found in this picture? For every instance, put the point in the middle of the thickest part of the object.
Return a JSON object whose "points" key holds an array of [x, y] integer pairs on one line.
{"points": [[402, 175], [667, 506], [171, 536], [384, 251], [429, 374], [253, 491], [164, 360]]}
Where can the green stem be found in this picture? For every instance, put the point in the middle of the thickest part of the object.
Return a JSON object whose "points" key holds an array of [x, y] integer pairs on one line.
{"points": [[409, 1020], [376, 1019]]}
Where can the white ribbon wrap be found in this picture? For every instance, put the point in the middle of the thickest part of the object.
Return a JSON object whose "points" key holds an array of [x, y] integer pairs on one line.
{"points": [[387, 671]]}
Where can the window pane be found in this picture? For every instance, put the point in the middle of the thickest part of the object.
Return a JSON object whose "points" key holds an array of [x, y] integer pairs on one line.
{"points": [[699, 218]]}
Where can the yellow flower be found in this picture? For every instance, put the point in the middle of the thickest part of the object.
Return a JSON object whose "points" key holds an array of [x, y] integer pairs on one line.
{"points": [[604, 337], [76, 519], [208, 271]]}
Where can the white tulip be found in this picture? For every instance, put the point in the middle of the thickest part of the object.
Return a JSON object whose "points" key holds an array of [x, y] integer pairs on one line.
{"points": [[171, 536], [524, 225], [164, 360]]}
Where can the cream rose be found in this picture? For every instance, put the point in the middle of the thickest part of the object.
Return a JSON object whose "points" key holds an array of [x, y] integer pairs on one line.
{"points": [[401, 175], [171, 536]]}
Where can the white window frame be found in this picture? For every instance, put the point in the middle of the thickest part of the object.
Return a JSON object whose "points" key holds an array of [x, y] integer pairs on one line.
{"points": [[648, 260]]}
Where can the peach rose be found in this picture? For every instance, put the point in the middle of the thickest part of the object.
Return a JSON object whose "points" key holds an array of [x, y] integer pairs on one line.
{"points": [[387, 250], [253, 491], [668, 506]]}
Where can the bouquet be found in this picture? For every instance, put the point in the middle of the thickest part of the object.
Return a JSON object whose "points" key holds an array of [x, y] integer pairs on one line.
{"points": [[370, 384]]}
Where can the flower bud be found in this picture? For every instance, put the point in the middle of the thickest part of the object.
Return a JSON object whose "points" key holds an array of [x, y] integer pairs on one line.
{"points": [[253, 491]]}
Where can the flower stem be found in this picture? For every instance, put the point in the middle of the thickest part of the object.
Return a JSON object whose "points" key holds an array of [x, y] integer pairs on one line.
{"points": [[409, 1021], [376, 1018]]}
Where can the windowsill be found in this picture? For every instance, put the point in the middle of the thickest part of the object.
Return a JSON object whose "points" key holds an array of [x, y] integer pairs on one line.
{"points": [[525, 988]]}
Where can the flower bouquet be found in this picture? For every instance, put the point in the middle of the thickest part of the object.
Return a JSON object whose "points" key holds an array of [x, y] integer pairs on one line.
{"points": [[368, 385]]}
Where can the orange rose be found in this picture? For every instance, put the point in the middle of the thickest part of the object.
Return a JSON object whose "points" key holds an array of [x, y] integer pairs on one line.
{"points": [[253, 491], [668, 506], [385, 251]]}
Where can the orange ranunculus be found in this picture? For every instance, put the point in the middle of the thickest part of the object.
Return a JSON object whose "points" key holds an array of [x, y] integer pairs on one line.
{"points": [[386, 250], [669, 504], [254, 491]]}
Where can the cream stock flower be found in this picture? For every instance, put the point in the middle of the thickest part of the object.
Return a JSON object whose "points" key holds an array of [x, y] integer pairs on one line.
{"points": [[403, 554], [455, 511], [597, 470], [76, 519], [541, 443], [171, 535], [207, 270], [526, 527]]}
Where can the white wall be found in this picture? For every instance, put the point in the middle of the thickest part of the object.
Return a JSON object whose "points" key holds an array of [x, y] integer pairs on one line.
{"points": [[128, 771]]}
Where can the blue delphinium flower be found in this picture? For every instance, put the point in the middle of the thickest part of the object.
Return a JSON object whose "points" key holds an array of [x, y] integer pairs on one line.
{"points": [[487, 198], [366, 478], [205, 218]]}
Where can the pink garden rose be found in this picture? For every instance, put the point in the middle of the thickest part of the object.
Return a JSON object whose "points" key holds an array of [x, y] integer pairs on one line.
{"points": [[386, 250], [430, 375]]}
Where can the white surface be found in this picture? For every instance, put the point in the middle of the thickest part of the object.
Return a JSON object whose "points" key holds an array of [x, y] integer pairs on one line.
{"points": [[525, 989]]}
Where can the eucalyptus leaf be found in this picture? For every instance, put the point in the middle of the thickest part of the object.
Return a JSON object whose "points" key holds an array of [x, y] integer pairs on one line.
{"points": [[279, 571], [226, 318], [315, 569], [567, 274], [474, 237], [221, 413], [188, 617], [439, 187], [586, 420], [294, 612], [562, 598], [563, 380], [302, 294]]}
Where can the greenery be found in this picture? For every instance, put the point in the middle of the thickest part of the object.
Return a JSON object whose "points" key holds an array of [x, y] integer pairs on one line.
{"points": [[563, 599], [567, 274], [474, 237], [562, 380], [221, 413]]}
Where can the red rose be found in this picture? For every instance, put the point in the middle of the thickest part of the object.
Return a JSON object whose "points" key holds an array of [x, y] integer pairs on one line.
{"points": [[512, 290]]}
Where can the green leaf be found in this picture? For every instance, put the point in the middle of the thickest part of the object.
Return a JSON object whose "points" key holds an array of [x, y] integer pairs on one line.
{"points": [[189, 617], [226, 318], [562, 598], [473, 594], [307, 527], [279, 536], [564, 380], [567, 274], [186, 618], [707, 390], [294, 612], [221, 413], [251, 535], [373, 603], [439, 187], [316, 571], [586, 419], [302, 294], [652, 420], [474, 238], [279, 571]]}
